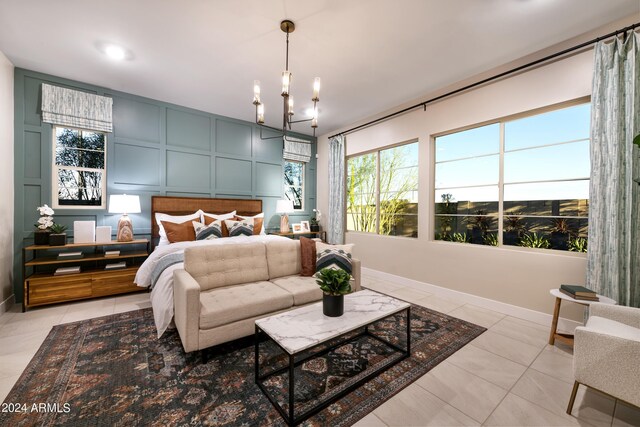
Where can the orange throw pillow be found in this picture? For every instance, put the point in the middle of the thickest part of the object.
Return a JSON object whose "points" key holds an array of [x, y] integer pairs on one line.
{"points": [[183, 232], [308, 257]]}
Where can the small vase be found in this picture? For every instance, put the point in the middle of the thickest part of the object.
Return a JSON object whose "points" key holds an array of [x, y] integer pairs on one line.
{"points": [[41, 238], [332, 305], [57, 239]]}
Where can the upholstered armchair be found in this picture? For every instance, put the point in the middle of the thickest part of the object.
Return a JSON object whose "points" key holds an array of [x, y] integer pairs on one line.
{"points": [[606, 353]]}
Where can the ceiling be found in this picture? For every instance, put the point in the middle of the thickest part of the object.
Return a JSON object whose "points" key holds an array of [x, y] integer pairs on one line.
{"points": [[372, 55]]}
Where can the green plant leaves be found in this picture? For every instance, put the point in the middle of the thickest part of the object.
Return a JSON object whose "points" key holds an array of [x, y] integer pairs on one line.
{"points": [[636, 140], [334, 281]]}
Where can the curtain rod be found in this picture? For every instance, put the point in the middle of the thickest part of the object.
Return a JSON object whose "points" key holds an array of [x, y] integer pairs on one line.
{"points": [[489, 79]]}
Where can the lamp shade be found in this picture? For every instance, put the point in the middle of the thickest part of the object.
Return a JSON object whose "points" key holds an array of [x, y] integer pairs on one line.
{"points": [[284, 206], [125, 204]]}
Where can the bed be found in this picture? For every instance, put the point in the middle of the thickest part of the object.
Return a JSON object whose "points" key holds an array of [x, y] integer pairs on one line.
{"points": [[157, 270]]}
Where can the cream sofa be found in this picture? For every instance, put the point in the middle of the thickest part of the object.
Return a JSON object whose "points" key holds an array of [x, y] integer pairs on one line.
{"points": [[223, 289]]}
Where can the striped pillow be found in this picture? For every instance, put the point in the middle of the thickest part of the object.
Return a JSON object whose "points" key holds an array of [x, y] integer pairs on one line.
{"points": [[333, 256], [239, 228], [208, 232]]}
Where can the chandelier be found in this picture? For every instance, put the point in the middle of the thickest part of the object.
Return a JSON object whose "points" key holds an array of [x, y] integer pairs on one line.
{"points": [[287, 27]]}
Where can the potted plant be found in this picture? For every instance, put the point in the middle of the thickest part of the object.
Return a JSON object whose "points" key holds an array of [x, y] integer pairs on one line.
{"points": [[513, 229], [560, 234], [58, 237], [314, 222], [534, 241], [334, 283], [41, 235]]}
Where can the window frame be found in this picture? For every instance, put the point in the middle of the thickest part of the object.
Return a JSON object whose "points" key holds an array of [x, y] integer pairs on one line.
{"points": [[501, 183], [55, 170], [377, 192], [302, 187]]}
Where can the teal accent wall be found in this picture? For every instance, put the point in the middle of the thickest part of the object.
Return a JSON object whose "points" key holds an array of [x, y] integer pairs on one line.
{"points": [[156, 148]]}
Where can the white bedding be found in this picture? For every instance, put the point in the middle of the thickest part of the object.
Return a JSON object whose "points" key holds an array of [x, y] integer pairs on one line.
{"points": [[162, 292]]}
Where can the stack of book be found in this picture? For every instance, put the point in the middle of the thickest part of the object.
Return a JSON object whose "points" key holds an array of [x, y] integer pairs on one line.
{"points": [[111, 253], [67, 270], [70, 255], [116, 266], [579, 292]]}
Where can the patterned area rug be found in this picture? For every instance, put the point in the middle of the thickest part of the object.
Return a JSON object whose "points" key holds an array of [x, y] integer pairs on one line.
{"points": [[113, 371]]}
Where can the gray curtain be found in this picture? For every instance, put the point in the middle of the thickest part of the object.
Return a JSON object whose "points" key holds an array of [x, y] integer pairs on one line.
{"points": [[613, 266], [74, 108], [337, 183]]}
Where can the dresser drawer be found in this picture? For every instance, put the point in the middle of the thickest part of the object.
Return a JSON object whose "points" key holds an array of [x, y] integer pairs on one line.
{"points": [[57, 289], [113, 282]]}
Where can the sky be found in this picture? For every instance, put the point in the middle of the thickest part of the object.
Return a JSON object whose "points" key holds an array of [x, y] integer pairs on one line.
{"points": [[529, 156]]}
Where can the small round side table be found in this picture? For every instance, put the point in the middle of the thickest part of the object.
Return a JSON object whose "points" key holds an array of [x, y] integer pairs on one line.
{"points": [[568, 338]]}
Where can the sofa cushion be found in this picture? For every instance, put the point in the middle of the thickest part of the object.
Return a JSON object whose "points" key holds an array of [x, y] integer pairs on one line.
{"points": [[303, 289], [308, 257], [215, 266], [334, 256], [611, 327], [221, 306], [283, 258]]}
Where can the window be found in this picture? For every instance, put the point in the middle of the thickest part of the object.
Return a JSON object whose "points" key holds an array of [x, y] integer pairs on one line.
{"points": [[522, 182], [79, 159], [382, 191], [294, 183]]}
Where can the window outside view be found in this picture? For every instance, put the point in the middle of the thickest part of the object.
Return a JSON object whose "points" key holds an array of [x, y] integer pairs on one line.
{"points": [[545, 182], [382, 191], [80, 167], [294, 183]]}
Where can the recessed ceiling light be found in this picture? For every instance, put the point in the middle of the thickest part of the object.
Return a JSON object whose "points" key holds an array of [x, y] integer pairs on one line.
{"points": [[115, 52]]}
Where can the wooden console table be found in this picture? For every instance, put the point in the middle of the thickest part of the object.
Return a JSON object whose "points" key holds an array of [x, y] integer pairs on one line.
{"points": [[43, 287], [321, 234]]}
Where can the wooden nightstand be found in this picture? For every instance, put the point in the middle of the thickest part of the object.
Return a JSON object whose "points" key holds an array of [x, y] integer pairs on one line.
{"points": [[42, 286]]}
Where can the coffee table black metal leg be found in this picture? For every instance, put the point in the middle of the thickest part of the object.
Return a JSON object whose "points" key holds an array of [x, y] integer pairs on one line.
{"points": [[291, 389], [409, 331], [256, 354]]}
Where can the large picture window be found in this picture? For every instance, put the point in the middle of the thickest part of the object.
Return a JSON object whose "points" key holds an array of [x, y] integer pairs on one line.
{"points": [[79, 160], [294, 183], [382, 191], [522, 182]]}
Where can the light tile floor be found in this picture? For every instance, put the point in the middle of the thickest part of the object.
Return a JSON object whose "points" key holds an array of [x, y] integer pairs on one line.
{"points": [[508, 376]]}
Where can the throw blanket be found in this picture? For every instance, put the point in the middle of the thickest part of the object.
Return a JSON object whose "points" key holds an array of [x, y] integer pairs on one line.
{"points": [[164, 263]]}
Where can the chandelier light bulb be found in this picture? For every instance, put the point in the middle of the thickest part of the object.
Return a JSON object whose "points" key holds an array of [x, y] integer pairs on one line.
{"points": [[290, 106], [256, 92], [261, 113], [316, 89], [314, 119], [286, 82]]}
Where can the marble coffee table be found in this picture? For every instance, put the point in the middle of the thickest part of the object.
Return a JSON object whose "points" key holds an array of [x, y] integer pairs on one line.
{"points": [[301, 331]]}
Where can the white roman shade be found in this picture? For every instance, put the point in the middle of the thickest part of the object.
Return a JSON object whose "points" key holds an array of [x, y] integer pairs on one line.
{"points": [[73, 108], [296, 149]]}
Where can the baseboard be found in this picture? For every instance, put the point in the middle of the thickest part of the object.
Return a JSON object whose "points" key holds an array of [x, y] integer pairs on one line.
{"points": [[538, 317], [7, 304]]}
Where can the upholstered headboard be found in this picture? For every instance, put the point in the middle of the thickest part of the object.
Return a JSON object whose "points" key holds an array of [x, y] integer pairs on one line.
{"points": [[188, 205]]}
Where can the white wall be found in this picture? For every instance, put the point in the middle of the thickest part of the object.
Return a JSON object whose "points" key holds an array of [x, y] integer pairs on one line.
{"points": [[514, 276], [6, 180]]}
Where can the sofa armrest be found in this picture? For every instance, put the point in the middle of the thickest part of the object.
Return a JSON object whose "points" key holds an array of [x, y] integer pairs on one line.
{"points": [[186, 300], [627, 315], [607, 363], [356, 273]]}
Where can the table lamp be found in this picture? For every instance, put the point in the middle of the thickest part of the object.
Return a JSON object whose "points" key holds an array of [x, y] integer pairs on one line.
{"points": [[283, 207], [124, 204]]}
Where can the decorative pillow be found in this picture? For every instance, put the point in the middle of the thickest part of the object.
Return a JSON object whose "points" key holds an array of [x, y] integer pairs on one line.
{"points": [[208, 232], [211, 216], [333, 256], [308, 257], [176, 219], [258, 221], [239, 228], [209, 219], [183, 232]]}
